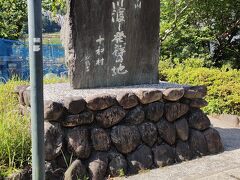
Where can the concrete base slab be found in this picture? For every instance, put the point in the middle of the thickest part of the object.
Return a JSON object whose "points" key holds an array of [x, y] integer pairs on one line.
{"points": [[57, 92], [228, 119]]}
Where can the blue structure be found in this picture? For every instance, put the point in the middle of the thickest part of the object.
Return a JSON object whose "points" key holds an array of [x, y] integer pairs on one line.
{"points": [[14, 57]]}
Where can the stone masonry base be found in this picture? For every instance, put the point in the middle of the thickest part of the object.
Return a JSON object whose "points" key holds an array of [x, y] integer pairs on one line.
{"points": [[125, 132]]}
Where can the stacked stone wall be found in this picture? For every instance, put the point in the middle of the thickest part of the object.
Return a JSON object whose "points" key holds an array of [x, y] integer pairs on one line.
{"points": [[114, 135]]}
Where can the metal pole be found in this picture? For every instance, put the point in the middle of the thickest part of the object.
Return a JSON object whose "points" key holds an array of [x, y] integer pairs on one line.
{"points": [[36, 79]]}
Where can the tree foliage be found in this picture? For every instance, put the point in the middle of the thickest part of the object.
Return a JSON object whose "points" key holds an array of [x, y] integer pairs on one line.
{"points": [[56, 6], [191, 28], [207, 29], [13, 14]]}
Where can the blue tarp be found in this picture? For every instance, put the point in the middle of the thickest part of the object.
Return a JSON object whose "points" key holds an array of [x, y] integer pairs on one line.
{"points": [[14, 58]]}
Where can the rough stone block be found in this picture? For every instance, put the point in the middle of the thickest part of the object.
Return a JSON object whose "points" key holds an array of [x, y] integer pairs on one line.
{"points": [[182, 129], [74, 105], [127, 100], [175, 110], [183, 151], [198, 103], [163, 155], [147, 97], [173, 94], [20, 90], [26, 97], [148, 133], [65, 156], [100, 102], [53, 111], [78, 142], [75, 171], [198, 143], [100, 139], [79, 119], [117, 165], [54, 174], [125, 138], [140, 159], [195, 92], [17, 89], [110, 117], [24, 110], [154, 111], [52, 140], [213, 141], [135, 116], [98, 166], [167, 131], [198, 120]]}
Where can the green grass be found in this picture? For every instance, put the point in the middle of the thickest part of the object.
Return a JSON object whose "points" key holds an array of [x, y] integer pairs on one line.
{"points": [[15, 141], [51, 38], [54, 79], [15, 138], [48, 38]]}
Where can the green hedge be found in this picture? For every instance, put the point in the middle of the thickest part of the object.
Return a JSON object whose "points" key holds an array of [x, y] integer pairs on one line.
{"points": [[223, 84]]}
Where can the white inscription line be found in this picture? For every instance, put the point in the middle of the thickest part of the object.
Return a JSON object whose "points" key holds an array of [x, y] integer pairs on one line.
{"points": [[138, 4], [100, 51], [87, 63], [119, 38]]}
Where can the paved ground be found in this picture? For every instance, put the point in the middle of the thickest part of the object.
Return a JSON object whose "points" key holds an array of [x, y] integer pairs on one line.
{"points": [[217, 167]]}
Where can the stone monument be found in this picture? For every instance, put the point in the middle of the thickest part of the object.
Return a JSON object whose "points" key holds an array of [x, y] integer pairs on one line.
{"points": [[112, 42], [115, 131]]}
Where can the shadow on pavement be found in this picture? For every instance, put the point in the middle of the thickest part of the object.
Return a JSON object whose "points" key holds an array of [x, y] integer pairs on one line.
{"points": [[230, 138]]}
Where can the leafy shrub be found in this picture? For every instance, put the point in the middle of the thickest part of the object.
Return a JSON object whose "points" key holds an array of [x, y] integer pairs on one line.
{"points": [[223, 84]]}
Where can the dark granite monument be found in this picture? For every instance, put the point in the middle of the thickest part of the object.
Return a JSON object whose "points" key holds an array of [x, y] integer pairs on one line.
{"points": [[112, 42]]}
